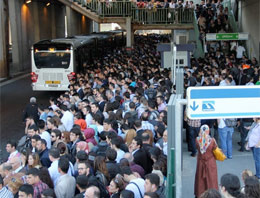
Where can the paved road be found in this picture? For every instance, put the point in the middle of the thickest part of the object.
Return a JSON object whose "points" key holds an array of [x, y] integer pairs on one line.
{"points": [[15, 94]]}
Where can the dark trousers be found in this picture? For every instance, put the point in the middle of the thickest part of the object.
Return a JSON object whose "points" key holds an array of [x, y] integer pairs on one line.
{"points": [[243, 133], [193, 133]]}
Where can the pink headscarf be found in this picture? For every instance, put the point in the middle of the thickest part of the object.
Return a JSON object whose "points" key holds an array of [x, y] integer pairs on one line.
{"points": [[89, 135], [83, 146]]}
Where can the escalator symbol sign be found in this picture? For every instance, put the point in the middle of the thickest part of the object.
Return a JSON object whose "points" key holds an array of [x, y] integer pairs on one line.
{"points": [[208, 105]]}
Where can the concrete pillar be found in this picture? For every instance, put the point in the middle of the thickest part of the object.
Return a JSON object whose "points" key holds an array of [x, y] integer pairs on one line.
{"points": [[128, 33], [36, 22], [27, 36], [53, 22], [133, 37], [15, 22], [73, 22], [96, 27], [173, 39], [60, 12], [239, 16], [3, 41]]}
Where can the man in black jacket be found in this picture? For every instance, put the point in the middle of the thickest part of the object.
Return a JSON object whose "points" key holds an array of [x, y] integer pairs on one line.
{"points": [[43, 153], [138, 153], [147, 146], [31, 109]]}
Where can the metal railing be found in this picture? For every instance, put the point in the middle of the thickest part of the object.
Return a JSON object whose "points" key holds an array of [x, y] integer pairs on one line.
{"points": [[162, 16], [138, 15]]}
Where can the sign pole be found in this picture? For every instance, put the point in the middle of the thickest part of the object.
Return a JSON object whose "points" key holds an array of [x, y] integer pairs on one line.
{"points": [[178, 144]]}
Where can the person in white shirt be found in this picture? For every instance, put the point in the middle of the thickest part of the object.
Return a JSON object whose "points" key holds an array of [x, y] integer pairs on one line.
{"points": [[88, 117], [11, 148], [240, 51], [53, 102], [44, 134], [136, 185], [67, 118], [115, 144], [172, 4]]}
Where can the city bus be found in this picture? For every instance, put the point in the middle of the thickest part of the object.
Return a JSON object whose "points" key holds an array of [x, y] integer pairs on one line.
{"points": [[55, 62]]}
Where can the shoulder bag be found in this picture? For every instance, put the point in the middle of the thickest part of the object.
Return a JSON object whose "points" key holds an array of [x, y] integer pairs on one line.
{"points": [[218, 154]]}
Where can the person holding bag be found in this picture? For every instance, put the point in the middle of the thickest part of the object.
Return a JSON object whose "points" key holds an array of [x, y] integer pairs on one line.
{"points": [[254, 144], [206, 173]]}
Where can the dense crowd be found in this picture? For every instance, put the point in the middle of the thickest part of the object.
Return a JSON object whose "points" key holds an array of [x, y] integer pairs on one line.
{"points": [[107, 135]]}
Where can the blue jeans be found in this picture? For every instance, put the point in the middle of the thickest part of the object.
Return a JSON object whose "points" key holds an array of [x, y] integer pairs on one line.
{"points": [[256, 155], [225, 135]]}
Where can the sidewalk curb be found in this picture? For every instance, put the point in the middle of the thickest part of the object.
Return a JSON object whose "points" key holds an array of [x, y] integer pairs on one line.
{"points": [[13, 76]]}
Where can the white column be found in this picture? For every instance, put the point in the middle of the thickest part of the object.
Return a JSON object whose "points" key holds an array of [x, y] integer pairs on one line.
{"points": [[128, 33]]}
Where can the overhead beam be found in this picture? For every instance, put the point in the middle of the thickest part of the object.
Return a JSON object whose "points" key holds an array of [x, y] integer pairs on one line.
{"points": [[82, 10]]}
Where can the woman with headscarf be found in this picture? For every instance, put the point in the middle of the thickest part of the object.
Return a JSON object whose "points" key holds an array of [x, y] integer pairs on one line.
{"points": [[89, 134], [206, 172], [84, 146]]}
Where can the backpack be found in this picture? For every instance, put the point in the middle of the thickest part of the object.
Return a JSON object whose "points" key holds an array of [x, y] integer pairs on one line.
{"points": [[153, 115], [103, 191], [150, 93], [23, 143], [230, 122], [101, 177]]}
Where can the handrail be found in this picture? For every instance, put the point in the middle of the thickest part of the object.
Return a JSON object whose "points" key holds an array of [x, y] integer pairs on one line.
{"points": [[139, 15], [162, 16]]}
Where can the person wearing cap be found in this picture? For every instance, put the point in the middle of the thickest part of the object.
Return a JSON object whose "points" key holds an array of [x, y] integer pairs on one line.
{"points": [[31, 109]]}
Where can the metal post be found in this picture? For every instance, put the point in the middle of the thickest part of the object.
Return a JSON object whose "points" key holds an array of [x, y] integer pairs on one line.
{"points": [[180, 81], [178, 144], [174, 63], [171, 186]]}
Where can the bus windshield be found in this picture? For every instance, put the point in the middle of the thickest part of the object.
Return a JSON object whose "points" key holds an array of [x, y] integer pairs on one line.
{"points": [[52, 59]]}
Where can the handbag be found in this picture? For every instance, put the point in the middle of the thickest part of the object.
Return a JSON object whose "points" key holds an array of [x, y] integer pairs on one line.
{"points": [[218, 154]]}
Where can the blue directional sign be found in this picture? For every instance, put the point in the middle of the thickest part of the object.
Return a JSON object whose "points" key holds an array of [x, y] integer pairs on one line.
{"points": [[223, 102]]}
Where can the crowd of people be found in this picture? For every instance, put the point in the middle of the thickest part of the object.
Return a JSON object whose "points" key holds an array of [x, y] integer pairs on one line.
{"points": [[107, 135]]}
